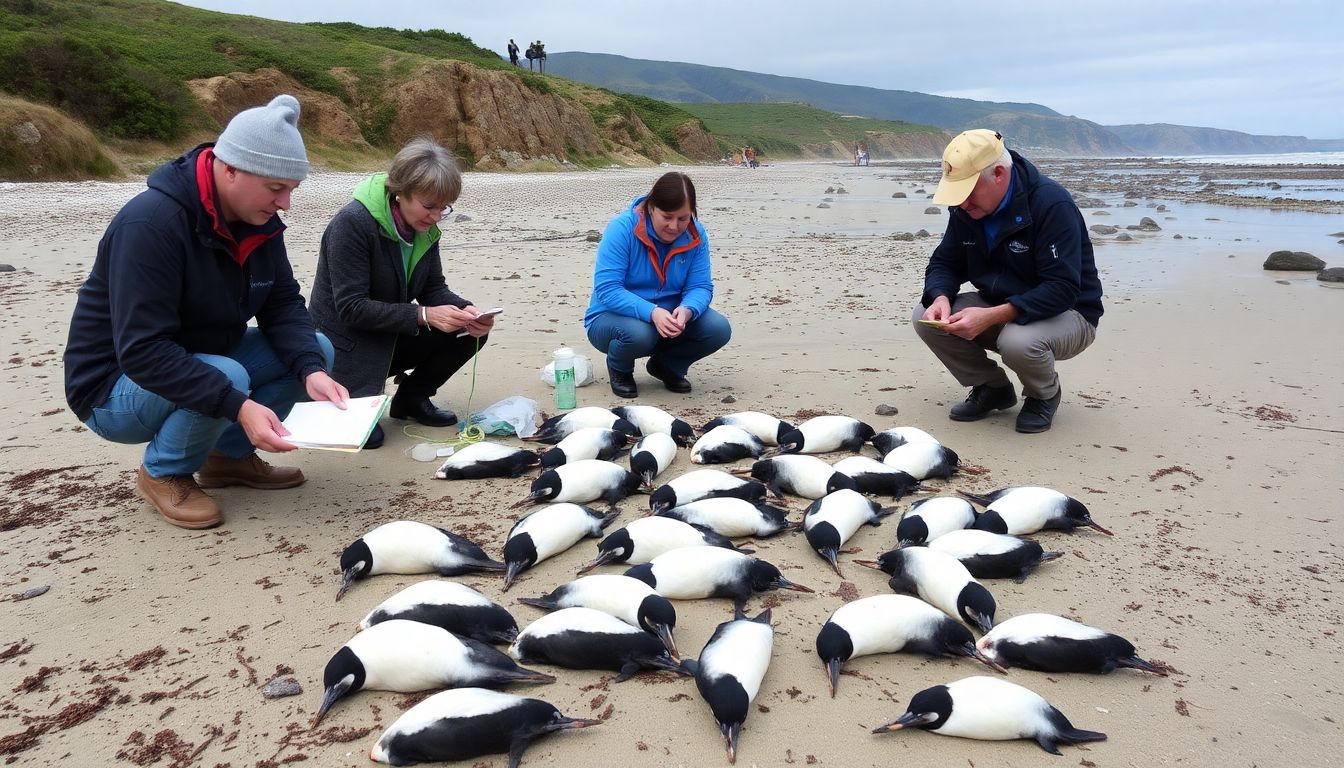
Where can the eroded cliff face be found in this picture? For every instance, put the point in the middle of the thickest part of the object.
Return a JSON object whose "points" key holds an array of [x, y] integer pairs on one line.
{"points": [[323, 115]]}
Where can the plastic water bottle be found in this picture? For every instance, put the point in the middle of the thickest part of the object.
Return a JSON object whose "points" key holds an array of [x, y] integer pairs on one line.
{"points": [[565, 396]]}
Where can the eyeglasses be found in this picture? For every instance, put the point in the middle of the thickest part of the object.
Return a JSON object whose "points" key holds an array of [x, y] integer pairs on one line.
{"points": [[444, 211]]}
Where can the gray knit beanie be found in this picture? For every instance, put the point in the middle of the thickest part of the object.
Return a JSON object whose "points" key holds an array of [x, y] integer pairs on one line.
{"points": [[265, 141]]}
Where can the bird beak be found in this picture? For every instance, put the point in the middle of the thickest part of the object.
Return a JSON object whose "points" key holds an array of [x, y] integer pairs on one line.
{"points": [[569, 723], [514, 568], [532, 498], [868, 564], [1094, 526], [330, 696], [530, 676], [664, 633], [730, 731], [784, 583], [985, 623], [347, 578], [740, 471], [647, 484], [830, 555], [602, 559], [833, 670], [974, 652], [908, 720]]}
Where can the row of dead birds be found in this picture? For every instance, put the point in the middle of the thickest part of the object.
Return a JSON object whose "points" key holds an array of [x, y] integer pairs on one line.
{"points": [[437, 634]]}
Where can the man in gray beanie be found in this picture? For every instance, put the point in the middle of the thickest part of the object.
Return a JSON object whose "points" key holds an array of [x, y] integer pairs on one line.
{"points": [[160, 350]]}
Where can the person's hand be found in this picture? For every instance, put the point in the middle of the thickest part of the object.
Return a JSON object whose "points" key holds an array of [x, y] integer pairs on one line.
{"points": [[320, 386], [682, 315], [447, 318], [665, 323], [973, 321], [263, 427], [938, 310], [479, 326]]}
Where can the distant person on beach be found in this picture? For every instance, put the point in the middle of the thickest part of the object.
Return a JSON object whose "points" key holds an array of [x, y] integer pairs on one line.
{"points": [[652, 288], [160, 350], [1017, 236], [380, 294], [513, 52]]}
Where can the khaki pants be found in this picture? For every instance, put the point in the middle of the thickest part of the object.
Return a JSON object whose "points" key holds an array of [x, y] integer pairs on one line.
{"points": [[1029, 350]]}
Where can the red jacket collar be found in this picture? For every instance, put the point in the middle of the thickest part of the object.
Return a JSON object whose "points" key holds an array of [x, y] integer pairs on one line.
{"points": [[205, 183]]}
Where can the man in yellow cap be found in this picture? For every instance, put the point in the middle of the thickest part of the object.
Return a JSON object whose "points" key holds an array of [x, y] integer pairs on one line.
{"points": [[1018, 238]]}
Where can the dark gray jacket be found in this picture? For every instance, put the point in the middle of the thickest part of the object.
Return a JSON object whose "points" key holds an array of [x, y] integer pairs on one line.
{"points": [[362, 300]]}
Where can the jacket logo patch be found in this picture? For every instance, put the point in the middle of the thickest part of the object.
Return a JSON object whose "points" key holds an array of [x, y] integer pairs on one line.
{"points": [[968, 242], [1018, 247]]}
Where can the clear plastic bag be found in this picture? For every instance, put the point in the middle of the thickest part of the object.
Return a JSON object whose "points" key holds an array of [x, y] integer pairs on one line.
{"points": [[515, 415], [583, 372]]}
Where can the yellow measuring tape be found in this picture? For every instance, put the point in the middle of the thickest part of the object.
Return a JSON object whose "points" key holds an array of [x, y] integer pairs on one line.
{"points": [[467, 435]]}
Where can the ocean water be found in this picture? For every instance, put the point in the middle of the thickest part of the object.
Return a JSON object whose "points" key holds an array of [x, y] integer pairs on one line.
{"points": [[1291, 158]]}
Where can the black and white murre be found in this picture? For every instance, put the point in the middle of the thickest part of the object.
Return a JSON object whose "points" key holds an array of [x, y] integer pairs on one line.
{"points": [[940, 580], [586, 443], [875, 478], [990, 709], [581, 482], [694, 573], [804, 476], [409, 547], [651, 456], [766, 428], [725, 444], [823, 434], [482, 460], [831, 520], [407, 656], [993, 555], [1049, 643], [730, 669], [629, 600], [1026, 509], [649, 419], [930, 518], [586, 638], [733, 518], [890, 439], [469, 722], [450, 605], [648, 537], [550, 531], [703, 484], [557, 428], [891, 624], [922, 460]]}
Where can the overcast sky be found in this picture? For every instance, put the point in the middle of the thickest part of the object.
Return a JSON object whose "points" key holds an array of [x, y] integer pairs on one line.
{"points": [[1247, 65]]}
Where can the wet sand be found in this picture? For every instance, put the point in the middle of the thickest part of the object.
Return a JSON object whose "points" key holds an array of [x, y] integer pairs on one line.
{"points": [[1204, 428]]}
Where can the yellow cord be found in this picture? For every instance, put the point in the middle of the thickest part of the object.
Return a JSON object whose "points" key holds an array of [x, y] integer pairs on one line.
{"points": [[467, 435]]}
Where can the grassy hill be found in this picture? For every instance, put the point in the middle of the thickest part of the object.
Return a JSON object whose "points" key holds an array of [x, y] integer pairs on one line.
{"points": [[786, 130]]}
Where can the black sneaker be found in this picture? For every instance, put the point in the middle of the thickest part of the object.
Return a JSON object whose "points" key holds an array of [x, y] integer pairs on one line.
{"points": [[983, 401], [1037, 414], [375, 440], [421, 409], [623, 384]]}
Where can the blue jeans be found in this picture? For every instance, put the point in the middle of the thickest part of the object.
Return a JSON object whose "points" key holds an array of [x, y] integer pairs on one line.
{"points": [[625, 339], [180, 439]]}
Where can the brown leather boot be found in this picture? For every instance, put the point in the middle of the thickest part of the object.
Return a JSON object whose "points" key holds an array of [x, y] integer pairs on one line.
{"points": [[179, 499], [220, 471]]}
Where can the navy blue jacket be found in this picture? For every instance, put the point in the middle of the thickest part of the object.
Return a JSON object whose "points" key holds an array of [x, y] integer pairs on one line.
{"points": [[1042, 260], [165, 285]]}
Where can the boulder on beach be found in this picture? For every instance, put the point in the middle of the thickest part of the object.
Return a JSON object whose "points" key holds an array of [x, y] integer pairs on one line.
{"points": [[1145, 225], [1130, 204], [1104, 229], [905, 236], [1090, 202], [933, 209], [1293, 261], [898, 194], [1333, 275], [1123, 237]]}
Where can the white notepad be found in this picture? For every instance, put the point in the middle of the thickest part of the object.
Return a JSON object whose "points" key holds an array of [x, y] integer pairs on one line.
{"points": [[322, 425]]}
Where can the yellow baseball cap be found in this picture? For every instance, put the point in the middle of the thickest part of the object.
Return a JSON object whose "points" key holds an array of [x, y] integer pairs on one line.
{"points": [[965, 157]]}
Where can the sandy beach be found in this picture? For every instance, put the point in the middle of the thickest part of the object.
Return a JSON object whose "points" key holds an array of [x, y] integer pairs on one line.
{"points": [[1205, 427]]}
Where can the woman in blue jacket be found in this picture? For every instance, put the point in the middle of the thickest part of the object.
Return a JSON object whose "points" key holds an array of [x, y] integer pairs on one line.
{"points": [[652, 288]]}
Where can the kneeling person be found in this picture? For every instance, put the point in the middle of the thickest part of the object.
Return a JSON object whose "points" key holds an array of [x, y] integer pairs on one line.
{"points": [[1017, 236], [160, 350]]}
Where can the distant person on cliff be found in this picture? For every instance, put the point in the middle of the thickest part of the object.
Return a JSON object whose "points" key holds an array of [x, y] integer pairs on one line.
{"points": [[1019, 239], [160, 350], [652, 288], [513, 52], [379, 292]]}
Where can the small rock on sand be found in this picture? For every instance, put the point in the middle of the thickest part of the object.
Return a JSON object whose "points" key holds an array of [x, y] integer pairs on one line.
{"points": [[1103, 229], [885, 410], [6, 268], [281, 687], [823, 205], [904, 236], [898, 194], [1332, 275], [29, 594], [593, 236], [933, 209], [1293, 261], [728, 399], [1123, 237]]}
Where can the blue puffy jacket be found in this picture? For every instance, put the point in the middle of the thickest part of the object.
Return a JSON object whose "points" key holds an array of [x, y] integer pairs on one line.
{"points": [[636, 272], [1042, 260]]}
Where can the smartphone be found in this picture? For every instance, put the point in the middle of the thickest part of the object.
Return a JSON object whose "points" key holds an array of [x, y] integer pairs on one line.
{"points": [[933, 323], [486, 313]]}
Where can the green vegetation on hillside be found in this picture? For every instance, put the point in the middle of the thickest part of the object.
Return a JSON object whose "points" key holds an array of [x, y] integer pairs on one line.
{"points": [[121, 65], [783, 129]]}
